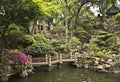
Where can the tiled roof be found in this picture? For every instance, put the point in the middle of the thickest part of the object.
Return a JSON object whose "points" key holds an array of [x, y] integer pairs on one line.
{"points": [[113, 10]]}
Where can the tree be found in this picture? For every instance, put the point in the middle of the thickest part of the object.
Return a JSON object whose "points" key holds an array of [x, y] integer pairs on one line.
{"points": [[49, 9], [20, 12]]}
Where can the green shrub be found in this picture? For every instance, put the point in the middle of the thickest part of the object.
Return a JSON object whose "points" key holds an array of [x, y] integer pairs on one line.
{"points": [[56, 44], [26, 41], [64, 48], [37, 38], [81, 34], [117, 17], [98, 26], [40, 38], [39, 50], [74, 41], [118, 50], [104, 39], [86, 46], [91, 48], [59, 30], [100, 54], [13, 36]]}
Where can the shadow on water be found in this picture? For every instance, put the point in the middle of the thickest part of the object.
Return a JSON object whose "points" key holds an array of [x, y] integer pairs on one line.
{"points": [[68, 73]]}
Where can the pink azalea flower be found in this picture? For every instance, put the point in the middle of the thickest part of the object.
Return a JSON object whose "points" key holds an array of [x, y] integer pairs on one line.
{"points": [[20, 57]]}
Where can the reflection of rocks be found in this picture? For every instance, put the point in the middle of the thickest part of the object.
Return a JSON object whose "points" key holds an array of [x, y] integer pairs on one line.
{"points": [[116, 71], [24, 73], [102, 71], [4, 78], [106, 65]]}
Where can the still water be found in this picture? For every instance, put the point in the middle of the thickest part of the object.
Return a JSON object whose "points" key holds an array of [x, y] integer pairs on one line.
{"points": [[68, 74]]}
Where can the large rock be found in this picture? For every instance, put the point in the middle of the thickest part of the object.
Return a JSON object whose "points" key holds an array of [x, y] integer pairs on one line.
{"points": [[107, 66], [112, 64], [100, 67], [109, 60], [96, 63], [97, 59], [102, 61]]}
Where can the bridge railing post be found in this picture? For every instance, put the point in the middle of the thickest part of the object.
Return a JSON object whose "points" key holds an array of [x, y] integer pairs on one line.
{"points": [[46, 58], [49, 63], [71, 55], [75, 58], [57, 56], [60, 58], [30, 59]]}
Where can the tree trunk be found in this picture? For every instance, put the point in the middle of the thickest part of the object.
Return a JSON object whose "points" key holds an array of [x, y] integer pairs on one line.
{"points": [[77, 17], [32, 27]]}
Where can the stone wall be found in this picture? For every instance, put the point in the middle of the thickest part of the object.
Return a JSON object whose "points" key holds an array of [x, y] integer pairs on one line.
{"points": [[106, 64]]}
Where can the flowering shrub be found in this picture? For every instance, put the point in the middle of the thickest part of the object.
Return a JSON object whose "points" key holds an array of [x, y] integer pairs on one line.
{"points": [[19, 57], [20, 61]]}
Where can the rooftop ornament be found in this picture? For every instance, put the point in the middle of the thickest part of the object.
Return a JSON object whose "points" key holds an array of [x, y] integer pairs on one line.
{"points": [[113, 10]]}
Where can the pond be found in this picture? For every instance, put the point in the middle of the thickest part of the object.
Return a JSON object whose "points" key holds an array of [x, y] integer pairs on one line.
{"points": [[68, 73]]}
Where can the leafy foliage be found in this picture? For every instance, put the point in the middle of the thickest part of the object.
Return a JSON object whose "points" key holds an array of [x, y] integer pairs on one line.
{"points": [[56, 44], [39, 49], [91, 47], [100, 54], [49, 9], [40, 38], [17, 13], [81, 34], [64, 48], [26, 41], [74, 41], [12, 36], [27, 10], [117, 17], [106, 41]]}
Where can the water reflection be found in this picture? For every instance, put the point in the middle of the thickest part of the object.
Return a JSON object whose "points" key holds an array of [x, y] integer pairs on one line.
{"points": [[68, 74]]}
